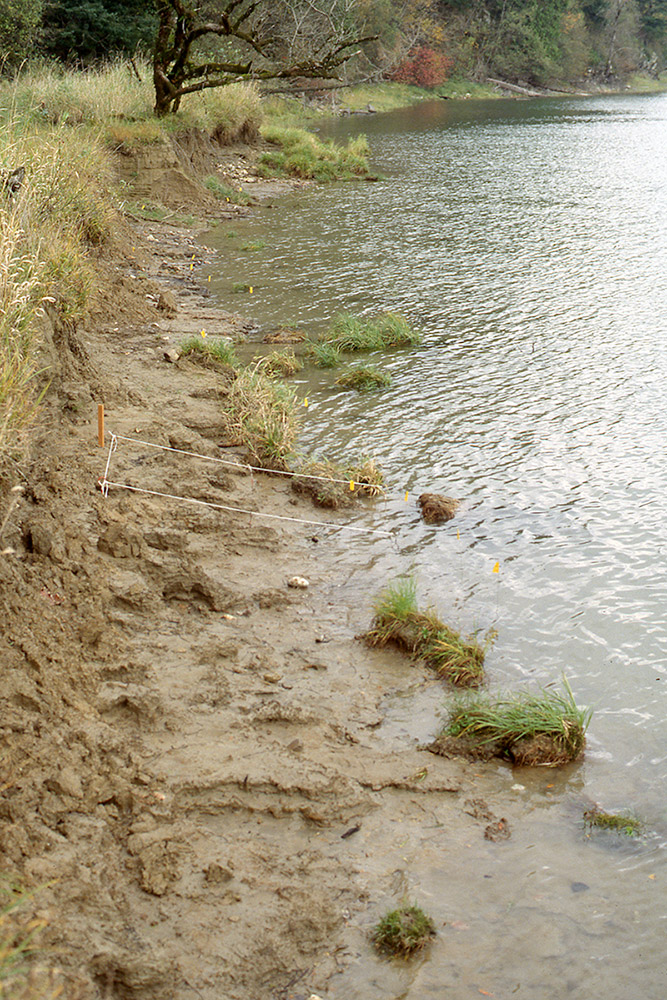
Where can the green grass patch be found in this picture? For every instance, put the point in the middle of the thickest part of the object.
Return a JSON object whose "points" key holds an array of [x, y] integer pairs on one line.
{"points": [[424, 636], [376, 333], [322, 354], [279, 364], [242, 288], [302, 154], [625, 823], [403, 931], [263, 415], [546, 729], [363, 378], [327, 483], [253, 245], [213, 348], [224, 192]]}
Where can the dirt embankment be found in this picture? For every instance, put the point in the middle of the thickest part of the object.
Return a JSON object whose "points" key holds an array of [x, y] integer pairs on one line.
{"points": [[186, 740]]}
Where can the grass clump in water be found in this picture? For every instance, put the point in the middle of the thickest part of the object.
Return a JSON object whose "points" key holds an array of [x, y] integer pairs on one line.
{"points": [[356, 333], [327, 482], [279, 364], [241, 287], [263, 415], [301, 154], [546, 729], [623, 823], [398, 620], [221, 351], [323, 354], [403, 931], [364, 377], [253, 245]]}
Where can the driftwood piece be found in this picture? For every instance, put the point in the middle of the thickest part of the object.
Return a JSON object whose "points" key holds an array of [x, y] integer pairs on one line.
{"points": [[436, 508]]}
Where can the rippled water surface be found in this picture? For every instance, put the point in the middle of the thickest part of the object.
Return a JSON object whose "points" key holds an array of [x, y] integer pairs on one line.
{"points": [[529, 240]]}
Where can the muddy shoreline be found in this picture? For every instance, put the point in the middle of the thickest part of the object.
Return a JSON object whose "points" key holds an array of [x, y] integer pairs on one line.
{"points": [[192, 787]]}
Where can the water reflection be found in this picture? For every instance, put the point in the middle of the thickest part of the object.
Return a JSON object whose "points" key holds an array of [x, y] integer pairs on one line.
{"points": [[528, 238]]}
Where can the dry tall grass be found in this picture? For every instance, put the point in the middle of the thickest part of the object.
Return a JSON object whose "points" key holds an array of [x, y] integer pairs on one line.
{"points": [[47, 229], [112, 97]]}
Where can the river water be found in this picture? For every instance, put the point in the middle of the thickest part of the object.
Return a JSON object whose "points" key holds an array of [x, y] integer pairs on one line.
{"points": [[529, 240]]}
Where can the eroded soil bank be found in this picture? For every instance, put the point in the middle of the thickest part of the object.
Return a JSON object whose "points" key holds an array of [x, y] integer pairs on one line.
{"points": [[191, 773]]}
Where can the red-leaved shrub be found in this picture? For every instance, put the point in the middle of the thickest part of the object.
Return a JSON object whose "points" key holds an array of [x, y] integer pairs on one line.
{"points": [[424, 67]]}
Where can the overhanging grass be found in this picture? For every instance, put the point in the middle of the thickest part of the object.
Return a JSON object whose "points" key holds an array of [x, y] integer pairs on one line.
{"points": [[361, 333], [328, 483], [364, 377], [546, 729], [302, 154], [403, 931], [398, 620], [48, 231]]}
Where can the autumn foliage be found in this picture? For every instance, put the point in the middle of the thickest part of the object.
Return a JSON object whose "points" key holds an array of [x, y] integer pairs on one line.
{"points": [[424, 67]]}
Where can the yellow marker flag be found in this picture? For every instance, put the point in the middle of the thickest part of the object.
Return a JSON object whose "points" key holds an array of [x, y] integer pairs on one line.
{"points": [[496, 568], [209, 277], [203, 333], [406, 496], [351, 486], [250, 289], [458, 537], [305, 402]]}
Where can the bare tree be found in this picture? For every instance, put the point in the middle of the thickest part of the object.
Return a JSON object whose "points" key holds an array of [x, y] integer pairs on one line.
{"points": [[264, 40]]}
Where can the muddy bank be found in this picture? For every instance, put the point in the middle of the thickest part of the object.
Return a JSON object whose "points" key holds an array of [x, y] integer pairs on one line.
{"points": [[190, 778]]}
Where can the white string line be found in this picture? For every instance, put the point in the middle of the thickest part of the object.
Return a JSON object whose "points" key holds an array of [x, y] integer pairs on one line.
{"points": [[105, 484], [244, 465]]}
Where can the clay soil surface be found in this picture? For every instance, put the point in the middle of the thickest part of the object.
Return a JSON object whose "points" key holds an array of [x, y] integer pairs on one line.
{"points": [[191, 776]]}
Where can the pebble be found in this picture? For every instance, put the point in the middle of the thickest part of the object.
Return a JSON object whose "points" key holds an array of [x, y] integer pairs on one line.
{"points": [[299, 582]]}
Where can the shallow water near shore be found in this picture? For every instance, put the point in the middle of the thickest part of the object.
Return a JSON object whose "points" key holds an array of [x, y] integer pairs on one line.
{"points": [[528, 240]]}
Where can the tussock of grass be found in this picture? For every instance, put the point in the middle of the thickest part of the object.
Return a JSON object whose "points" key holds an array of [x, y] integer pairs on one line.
{"points": [[623, 823], [253, 245], [330, 485], [278, 364], [216, 349], [284, 335], [364, 377], [263, 415], [398, 620], [322, 354], [301, 154], [241, 287], [357, 333], [403, 931], [529, 729]]}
